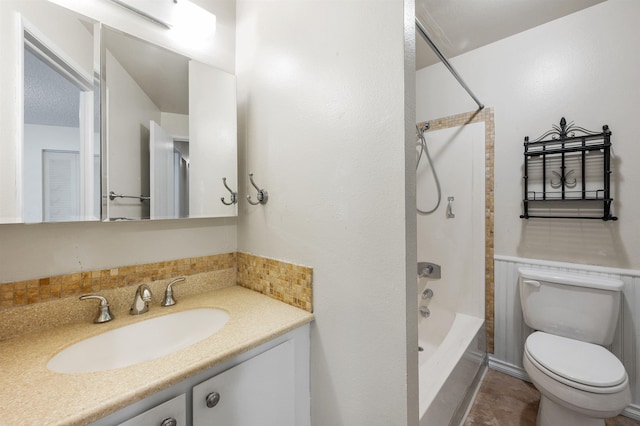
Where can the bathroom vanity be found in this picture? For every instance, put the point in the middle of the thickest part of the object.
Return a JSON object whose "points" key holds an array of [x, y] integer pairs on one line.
{"points": [[255, 367], [268, 382]]}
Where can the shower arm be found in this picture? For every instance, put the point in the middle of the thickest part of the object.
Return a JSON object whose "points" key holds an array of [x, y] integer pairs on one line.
{"points": [[423, 32]]}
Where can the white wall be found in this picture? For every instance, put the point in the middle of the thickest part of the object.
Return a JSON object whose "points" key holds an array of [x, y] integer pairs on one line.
{"points": [[129, 112], [583, 67], [77, 46], [40, 250], [39, 138], [321, 91], [176, 124]]}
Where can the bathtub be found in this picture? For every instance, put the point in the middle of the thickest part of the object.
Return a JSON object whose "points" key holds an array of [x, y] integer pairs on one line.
{"points": [[452, 360]]}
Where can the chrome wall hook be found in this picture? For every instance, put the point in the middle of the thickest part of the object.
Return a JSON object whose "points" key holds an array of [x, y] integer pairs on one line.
{"points": [[262, 195], [234, 195]]}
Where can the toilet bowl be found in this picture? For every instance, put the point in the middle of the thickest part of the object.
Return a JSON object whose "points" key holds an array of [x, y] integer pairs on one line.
{"points": [[580, 383]]}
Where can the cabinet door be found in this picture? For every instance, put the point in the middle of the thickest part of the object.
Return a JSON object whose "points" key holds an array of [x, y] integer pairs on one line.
{"points": [[162, 414], [260, 391]]}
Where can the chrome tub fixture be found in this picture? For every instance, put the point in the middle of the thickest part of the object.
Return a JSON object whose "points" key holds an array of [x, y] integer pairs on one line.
{"points": [[429, 270], [450, 214]]}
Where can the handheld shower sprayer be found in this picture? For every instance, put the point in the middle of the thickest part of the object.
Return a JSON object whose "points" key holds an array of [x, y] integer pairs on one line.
{"points": [[425, 150]]}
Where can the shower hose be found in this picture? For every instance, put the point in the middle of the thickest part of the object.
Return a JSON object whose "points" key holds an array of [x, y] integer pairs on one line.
{"points": [[424, 150]]}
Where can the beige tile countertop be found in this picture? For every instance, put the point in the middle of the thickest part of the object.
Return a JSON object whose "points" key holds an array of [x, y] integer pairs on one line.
{"points": [[30, 394]]}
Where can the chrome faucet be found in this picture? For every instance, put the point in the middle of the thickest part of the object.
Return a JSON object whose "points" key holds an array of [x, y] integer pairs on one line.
{"points": [[104, 314], [168, 295], [141, 300]]}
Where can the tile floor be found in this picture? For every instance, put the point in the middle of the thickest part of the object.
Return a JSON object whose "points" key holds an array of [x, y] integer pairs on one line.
{"points": [[506, 401]]}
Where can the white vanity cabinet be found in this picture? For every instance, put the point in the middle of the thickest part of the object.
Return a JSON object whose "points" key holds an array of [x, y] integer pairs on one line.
{"points": [[267, 386], [260, 391]]}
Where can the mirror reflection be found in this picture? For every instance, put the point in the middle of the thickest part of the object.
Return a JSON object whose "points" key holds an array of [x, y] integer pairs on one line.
{"points": [[55, 122], [152, 139], [171, 132]]}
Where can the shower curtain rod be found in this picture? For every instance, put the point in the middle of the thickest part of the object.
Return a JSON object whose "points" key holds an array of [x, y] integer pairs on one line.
{"points": [[445, 61]]}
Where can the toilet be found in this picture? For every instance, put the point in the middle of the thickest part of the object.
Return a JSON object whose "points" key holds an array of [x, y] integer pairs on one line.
{"points": [[574, 315]]}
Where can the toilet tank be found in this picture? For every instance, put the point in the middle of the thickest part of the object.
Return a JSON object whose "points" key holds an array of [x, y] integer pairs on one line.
{"points": [[578, 306]]}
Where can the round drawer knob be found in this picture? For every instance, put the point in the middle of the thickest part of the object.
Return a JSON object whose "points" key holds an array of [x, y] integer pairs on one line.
{"points": [[212, 399], [169, 421]]}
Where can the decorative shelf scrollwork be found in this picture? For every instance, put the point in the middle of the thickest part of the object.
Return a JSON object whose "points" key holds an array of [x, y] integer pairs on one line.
{"points": [[567, 171]]}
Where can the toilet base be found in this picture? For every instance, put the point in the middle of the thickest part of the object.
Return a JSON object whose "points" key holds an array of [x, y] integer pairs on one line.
{"points": [[553, 414]]}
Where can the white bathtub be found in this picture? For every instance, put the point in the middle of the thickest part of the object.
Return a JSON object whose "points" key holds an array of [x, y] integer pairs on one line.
{"points": [[452, 358]]}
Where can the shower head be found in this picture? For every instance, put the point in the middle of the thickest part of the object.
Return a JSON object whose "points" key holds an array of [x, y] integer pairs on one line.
{"points": [[421, 129]]}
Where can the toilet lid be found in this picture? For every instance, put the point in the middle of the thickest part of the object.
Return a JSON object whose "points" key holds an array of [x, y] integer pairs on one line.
{"points": [[577, 361]]}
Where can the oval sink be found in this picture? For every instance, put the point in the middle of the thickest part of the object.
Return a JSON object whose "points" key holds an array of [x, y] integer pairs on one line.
{"points": [[139, 342]]}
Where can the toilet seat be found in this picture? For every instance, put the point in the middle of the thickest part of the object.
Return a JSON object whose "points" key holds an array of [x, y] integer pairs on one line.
{"points": [[578, 364]]}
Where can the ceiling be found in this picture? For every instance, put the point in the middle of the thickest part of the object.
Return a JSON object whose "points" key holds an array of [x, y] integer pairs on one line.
{"points": [[458, 26], [50, 99], [162, 74]]}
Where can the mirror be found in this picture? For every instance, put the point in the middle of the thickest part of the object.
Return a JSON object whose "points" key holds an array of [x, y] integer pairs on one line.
{"points": [[71, 134], [49, 114], [170, 134]]}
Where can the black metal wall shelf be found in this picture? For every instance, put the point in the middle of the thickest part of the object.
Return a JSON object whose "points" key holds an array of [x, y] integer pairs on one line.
{"points": [[547, 182]]}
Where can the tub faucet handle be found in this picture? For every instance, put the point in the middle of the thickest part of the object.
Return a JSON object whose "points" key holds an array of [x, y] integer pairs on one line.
{"points": [[425, 312], [427, 294]]}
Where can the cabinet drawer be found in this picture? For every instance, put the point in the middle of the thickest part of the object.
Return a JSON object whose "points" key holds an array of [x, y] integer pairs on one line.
{"points": [[175, 408]]}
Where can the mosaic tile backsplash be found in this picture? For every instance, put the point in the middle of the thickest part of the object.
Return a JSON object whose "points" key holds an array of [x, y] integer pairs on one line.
{"points": [[50, 288], [283, 281]]}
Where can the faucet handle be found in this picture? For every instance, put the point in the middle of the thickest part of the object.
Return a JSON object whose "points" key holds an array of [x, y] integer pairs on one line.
{"points": [[104, 313], [168, 295]]}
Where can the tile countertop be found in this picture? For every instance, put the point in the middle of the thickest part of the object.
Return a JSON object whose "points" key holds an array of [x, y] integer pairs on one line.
{"points": [[31, 394]]}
